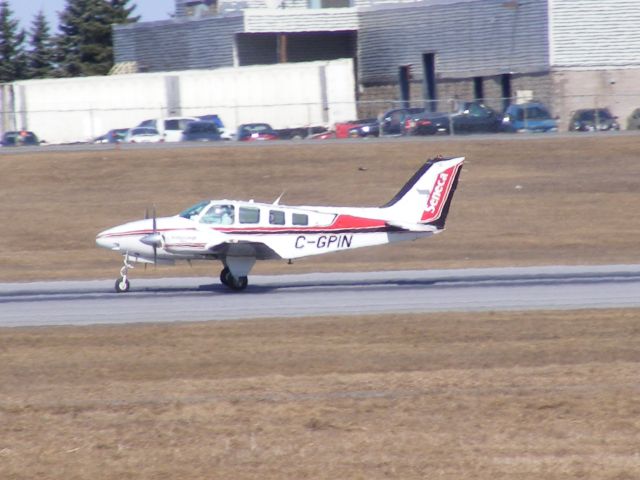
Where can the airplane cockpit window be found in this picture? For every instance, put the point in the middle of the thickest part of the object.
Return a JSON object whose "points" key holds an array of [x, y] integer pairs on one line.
{"points": [[195, 210], [219, 215], [249, 215], [276, 217]]}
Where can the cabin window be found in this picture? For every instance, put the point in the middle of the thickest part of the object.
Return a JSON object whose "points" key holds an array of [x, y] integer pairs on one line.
{"points": [[276, 217], [300, 219], [249, 215], [219, 215]]}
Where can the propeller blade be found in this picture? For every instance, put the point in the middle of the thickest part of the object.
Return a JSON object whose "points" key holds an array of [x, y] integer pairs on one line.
{"points": [[155, 231]]}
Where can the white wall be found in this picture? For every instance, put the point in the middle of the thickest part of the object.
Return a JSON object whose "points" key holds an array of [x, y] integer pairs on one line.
{"points": [[287, 95]]}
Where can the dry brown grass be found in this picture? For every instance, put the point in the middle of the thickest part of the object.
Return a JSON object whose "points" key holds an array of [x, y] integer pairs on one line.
{"points": [[552, 395], [541, 201]]}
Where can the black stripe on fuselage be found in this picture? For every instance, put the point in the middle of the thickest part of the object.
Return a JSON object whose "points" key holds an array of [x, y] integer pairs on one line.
{"points": [[413, 180]]}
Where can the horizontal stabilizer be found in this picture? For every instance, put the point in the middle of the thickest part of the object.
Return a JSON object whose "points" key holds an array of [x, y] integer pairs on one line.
{"points": [[414, 227]]}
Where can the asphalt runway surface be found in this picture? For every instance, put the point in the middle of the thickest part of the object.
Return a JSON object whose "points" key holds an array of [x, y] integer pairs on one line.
{"points": [[205, 299]]}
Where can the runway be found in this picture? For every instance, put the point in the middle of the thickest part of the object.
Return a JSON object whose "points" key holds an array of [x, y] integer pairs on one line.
{"points": [[199, 299]]}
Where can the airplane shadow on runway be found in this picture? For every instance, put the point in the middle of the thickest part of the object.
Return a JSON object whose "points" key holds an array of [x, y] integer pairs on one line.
{"points": [[301, 286]]}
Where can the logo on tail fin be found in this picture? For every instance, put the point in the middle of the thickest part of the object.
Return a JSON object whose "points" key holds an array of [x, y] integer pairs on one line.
{"points": [[438, 196]]}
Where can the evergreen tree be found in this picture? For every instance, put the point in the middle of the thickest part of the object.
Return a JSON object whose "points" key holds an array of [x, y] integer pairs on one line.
{"points": [[40, 56], [12, 56], [85, 44], [121, 12]]}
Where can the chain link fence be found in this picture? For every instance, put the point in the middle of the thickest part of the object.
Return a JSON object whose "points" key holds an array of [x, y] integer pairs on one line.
{"points": [[451, 116]]}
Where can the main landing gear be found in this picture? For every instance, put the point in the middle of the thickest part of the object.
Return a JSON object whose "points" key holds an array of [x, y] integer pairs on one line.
{"points": [[122, 283], [239, 283]]}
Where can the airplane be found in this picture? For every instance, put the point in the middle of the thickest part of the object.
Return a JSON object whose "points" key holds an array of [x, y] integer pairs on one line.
{"points": [[238, 233]]}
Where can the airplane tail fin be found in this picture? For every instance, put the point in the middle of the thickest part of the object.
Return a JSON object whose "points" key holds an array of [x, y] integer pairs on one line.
{"points": [[425, 199]]}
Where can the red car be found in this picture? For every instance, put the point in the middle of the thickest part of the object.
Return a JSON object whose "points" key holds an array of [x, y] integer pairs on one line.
{"points": [[358, 128], [249, 132]]}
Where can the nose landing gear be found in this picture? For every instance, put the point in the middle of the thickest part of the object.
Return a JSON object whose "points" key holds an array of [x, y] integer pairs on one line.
{"points": [[122, 283]]}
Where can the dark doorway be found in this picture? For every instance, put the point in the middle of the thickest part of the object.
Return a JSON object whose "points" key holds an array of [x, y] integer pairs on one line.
{"points": [[478, 88], [506, 90], [429, 69], [269, 48], [404, 80]]}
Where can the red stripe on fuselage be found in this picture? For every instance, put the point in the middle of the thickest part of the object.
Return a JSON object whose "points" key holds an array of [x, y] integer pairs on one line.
{"points": [[341, 222]]}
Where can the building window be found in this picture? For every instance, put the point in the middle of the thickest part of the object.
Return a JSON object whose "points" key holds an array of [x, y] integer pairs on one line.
{"points": [[329, 3], [200, 8]]}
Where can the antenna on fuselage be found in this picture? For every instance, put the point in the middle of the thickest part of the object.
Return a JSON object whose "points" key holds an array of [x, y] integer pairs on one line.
{"points": [[277, 201]]}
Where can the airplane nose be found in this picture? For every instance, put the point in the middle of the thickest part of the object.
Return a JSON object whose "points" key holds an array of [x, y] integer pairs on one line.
{"points": [[104, 241]]}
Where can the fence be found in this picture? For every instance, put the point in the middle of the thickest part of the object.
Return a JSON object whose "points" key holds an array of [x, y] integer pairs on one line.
{"points": [[85, 124]]}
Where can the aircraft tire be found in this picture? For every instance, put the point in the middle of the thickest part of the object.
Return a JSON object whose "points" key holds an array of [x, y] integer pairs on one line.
{"points": [[239, 283], [122, 285], [224, 276]]}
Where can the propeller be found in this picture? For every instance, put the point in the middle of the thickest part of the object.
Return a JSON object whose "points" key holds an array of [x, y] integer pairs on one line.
{"points": [[154, 239]]}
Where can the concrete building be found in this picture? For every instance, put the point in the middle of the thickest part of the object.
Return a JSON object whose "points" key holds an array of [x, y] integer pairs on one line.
{"points": [[568, 53]]}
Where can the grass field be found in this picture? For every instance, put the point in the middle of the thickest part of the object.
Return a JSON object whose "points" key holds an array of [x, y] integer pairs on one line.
{"points": [[529, 202], [483, 396], [553, 395]]}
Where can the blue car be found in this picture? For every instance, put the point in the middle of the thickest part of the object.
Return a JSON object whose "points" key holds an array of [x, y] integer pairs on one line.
{"points": [[528, 117]]}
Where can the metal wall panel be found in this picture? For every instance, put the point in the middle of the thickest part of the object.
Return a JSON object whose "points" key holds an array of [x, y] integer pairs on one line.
{"points": [[178, 44], [469, 38], [297, 20], [587, 34]]}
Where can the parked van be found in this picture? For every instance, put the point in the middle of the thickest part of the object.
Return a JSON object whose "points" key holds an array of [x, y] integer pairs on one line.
{"points": [[170, 128]]}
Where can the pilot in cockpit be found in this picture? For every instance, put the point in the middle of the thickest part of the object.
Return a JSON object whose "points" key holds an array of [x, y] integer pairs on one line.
{"points": [[219, 214]]}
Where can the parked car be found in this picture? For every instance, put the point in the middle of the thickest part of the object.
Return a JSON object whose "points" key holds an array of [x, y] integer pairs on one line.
{"points": [[471, 117], [19, 138], [633, 121], [393, 121], [201, 132], [528, 117], [143, 135], [225, 133], [256, 131], [298, 133], [170, 128], [468, 117], [328, 135], [593, 119], [426, 123], [367, 127], [112, 136]]}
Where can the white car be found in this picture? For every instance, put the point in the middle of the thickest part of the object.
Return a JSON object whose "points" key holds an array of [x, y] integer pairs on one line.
{"points": [[170, 128], [143, 135]]}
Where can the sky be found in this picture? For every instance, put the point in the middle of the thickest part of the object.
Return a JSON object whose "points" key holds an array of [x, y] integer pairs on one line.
{"points": [[25, 10]]}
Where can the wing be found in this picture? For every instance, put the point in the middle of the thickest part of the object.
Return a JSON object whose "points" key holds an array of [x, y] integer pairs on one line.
{"points": [[242, 248]]}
